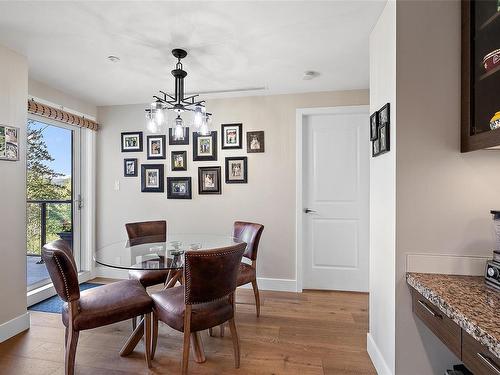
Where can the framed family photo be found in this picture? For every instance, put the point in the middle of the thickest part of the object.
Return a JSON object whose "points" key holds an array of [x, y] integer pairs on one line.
{"points": [[374, 126], [179, 160], [178, 187], [383, 136], [156, 147], [9, 143], [130, 168], [209, 180], [131, 142], [384, 115], [181, 141], [152, 178], [231, 136], [237, 170], [205, 147], [255, 141]]}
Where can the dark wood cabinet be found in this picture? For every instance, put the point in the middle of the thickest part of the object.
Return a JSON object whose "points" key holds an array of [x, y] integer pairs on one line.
{"points": [[475, 356], [480, 84], [442, 326]]}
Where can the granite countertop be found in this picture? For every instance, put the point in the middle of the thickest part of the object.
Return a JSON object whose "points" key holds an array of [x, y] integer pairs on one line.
{"points": [[466, 300]]}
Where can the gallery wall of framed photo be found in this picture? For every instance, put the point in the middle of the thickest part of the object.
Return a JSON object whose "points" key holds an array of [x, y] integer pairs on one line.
{"points": [[173, 164]]}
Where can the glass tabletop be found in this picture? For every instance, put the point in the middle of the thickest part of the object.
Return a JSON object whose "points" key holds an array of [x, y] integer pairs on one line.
{"points": [[146, 253]]}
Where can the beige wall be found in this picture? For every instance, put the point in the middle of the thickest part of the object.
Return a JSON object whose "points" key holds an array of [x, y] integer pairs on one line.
{"points": [[13, 96], [443, 196], [268, 198], [381, 337], [44, 91]]}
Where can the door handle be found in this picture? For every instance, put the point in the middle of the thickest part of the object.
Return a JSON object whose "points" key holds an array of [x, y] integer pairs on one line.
{"points": [[309, 211]]}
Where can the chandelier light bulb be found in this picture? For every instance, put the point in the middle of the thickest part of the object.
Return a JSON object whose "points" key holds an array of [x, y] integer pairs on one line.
{"points": [[179, 129], [205, 125], [199, 112]]}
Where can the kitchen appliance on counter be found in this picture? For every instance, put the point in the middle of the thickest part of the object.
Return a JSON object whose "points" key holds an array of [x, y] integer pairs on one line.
{"points": [[492, 275]]}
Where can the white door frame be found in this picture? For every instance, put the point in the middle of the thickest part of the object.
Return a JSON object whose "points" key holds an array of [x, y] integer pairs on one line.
{"points": [[87, 163], [299, 126]]}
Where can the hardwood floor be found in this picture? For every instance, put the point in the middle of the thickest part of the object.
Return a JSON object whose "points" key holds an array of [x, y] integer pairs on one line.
{"points": [[310, 333]]}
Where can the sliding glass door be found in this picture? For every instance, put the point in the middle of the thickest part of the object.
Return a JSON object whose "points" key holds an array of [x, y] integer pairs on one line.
{"points": [[53, 193]]}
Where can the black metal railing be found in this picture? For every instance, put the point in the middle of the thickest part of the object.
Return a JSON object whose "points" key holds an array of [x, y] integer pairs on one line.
{"points": [[48, 220]]}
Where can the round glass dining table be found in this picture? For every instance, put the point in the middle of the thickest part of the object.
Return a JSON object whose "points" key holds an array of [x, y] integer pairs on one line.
{"points": [[153, 253]]}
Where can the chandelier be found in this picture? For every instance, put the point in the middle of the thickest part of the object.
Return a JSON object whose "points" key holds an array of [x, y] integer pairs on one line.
{"points": [[156, 115]]}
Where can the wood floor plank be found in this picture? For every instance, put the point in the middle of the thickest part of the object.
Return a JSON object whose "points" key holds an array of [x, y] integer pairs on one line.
{"points": [[310, 333]]}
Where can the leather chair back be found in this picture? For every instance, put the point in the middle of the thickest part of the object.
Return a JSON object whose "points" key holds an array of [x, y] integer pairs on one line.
{"points": [[249, 233], [146, 232], [211, 275], [62, 269]]}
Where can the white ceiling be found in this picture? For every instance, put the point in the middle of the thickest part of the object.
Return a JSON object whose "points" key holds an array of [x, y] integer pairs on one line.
{"points": [[231, 45]]}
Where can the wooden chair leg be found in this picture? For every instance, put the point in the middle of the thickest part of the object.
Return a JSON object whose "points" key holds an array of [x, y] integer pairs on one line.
{"points": [[257, 297], [236, 343], [147, 339], [221, 327], [72, 341], [154, 339], [187, 339], [211, 332]]}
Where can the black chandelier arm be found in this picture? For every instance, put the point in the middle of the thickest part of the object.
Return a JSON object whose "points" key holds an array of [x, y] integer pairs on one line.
{"points": [[165, 96]]}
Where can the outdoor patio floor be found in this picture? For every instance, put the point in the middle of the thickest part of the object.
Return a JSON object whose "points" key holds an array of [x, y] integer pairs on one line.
{"points": [[35, 272]]}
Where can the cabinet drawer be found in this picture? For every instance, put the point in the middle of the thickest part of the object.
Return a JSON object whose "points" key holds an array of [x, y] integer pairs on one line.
{"points": [[443, 327], [477, 358]]}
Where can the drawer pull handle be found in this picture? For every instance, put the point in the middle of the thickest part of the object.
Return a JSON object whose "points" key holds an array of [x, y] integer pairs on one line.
{"points": [[429, 310], [489, 362]]}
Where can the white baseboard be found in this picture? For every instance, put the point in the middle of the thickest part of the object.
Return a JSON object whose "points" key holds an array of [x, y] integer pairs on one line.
{"points": [[446, 264], [376, 357], [14, 326], [281, 285]]}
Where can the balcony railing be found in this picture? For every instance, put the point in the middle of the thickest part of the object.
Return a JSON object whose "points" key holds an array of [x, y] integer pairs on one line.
{"points": [[48, 220]]}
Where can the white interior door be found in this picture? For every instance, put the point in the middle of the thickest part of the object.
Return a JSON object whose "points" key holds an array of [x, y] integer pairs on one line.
{"points": [[336, 201]]}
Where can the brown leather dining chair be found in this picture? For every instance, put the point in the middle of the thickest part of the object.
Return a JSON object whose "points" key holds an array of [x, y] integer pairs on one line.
{"points": [[147, 232], [204, 301], [97, 307], [249, 233]]}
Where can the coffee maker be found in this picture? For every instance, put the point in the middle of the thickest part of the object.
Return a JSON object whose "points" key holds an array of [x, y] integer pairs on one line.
{"points": [[492, 275]]}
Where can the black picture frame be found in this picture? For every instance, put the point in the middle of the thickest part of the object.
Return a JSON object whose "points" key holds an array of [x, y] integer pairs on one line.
{"points": [[128, 148], [384, 115], [163, 147], [204, 157], [173, 142], [230, 170], [173, 193], [146, 185], [258, 137], [127, 172], [238, 137], [173, 156], [216, 180], [374, 126], [384, 136]]}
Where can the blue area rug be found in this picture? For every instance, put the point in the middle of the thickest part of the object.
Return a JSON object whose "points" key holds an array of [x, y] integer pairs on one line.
{"points": [[55, 304]]}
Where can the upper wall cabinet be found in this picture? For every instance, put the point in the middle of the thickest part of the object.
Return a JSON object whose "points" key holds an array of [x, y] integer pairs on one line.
{"points": [[480, 74]]}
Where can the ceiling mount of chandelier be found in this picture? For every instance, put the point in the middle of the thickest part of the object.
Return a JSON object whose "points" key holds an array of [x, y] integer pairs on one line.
{"points": [[178, 103]]}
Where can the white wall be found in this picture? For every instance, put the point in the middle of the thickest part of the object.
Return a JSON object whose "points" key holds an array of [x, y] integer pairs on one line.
{"points": [[43, 91], [381, 337], [268, 198], [443, 197], [13, 96]]}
